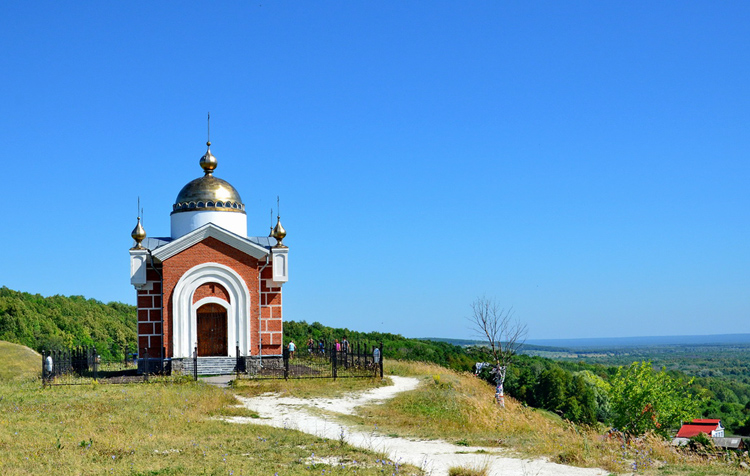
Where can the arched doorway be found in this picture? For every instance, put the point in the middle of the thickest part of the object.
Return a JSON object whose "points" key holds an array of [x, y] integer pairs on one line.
{"points": [[212, 330]]}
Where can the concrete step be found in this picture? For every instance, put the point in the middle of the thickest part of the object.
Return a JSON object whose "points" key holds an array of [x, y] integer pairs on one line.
{"points": [[212, 365]]}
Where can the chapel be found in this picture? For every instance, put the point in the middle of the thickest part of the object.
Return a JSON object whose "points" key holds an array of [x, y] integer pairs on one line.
{"points": [[209, 290]]}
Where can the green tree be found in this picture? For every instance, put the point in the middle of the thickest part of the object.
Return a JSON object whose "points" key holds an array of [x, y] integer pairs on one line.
{"points": [[552, 389], [644, 400], [601, 390]]}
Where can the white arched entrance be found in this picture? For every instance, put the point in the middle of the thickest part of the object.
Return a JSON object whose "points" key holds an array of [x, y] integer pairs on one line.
{"points": [[184, 310]]}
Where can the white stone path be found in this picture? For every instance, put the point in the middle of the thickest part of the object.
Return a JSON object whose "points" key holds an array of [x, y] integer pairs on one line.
{"points": [[435, 457]]}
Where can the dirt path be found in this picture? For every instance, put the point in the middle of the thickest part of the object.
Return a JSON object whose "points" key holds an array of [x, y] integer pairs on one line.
{"points": [[433, 456]]}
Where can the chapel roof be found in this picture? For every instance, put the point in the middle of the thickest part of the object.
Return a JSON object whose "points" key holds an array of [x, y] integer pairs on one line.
{"points": [[208, 192]]}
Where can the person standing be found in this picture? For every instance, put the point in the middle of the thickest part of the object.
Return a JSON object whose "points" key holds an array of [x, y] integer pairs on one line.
{"points": [[345, 348], [292, 348]]}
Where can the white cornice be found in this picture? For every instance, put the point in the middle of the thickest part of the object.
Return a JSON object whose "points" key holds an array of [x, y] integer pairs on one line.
{"points": [[209, 230]]}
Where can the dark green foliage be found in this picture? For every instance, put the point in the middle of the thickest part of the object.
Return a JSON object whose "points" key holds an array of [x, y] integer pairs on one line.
{"points": [[58, 322], [577, 395]]}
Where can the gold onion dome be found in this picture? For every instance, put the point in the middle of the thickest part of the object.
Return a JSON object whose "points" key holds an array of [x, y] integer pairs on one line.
{"points": [[279, 233], [208, 161], [208, 192], [138, 234]]}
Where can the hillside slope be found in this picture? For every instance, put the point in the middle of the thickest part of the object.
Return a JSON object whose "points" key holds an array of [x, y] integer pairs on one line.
{"points": [[18, 362]]}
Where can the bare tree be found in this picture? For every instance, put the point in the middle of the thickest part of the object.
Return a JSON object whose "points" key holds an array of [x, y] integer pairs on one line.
{"points": [[504, 334]]}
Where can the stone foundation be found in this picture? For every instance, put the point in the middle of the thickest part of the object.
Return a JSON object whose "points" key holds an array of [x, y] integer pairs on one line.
{"points": [[226, 365]]}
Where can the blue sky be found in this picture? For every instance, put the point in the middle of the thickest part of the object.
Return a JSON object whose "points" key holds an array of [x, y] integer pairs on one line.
{"points": [[583, 162]]}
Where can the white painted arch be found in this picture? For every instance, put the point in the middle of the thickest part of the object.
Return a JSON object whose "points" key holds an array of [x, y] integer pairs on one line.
{"points": [[184, 311]]}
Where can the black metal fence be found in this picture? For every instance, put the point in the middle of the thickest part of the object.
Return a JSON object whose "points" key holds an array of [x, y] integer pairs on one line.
{"points": [[323, 360], [83, 365]]}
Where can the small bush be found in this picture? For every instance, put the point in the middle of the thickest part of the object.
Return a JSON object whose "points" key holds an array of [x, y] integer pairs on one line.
{"points": [[462, 471]]}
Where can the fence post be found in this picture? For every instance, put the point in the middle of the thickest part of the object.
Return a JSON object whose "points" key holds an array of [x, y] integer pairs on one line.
{"points": [[334, 358], [381, 361], [285, 357], [237, 362], [44, 368], [195, 364], [145, 366], [96, 364]]}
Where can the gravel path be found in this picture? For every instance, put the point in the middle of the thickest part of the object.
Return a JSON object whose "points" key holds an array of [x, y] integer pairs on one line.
{"points": [[433, 456]]}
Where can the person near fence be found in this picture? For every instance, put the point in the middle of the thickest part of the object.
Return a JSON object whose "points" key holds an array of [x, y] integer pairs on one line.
{"points": [[310, 345], [49, 366], [376, 355], [292, 348], [338, 346], [321, 347], [345, 349]]}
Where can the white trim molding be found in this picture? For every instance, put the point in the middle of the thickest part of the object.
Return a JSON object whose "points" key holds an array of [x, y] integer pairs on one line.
{"points": [[209, 230], [184, 311]]}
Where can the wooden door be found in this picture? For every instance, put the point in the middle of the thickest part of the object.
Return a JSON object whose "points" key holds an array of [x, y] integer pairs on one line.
{"points": [[212, 330]]}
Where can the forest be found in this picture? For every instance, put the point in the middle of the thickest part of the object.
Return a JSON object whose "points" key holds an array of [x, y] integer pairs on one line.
{"points": [[62, 322], [573, 384]]}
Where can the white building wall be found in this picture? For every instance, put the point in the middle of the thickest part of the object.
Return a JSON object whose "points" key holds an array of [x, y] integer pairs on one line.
{"points": [[185, 222]]}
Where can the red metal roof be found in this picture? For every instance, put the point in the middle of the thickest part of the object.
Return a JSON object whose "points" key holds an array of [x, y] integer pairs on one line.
{"points": [[689, 430]]}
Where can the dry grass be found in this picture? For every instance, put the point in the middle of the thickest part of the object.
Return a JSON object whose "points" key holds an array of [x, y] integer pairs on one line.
{"points": [[18, 362], [172, 429], [469, 471], [155, 429], [305, 388], [459, 407]]}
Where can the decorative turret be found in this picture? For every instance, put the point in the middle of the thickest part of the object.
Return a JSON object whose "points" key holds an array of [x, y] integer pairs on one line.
{"points": [[138, 255], [279, 255]]}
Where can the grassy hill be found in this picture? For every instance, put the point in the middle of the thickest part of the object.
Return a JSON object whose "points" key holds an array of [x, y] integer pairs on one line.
{"points": [[18, 362], [172, 428]]}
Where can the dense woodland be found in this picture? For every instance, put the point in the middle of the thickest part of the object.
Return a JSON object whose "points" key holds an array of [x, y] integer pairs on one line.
{"points": [[59, 322], [574, 386]]}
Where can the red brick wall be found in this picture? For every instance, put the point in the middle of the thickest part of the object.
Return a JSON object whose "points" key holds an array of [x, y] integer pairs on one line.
{"points": [[150, 316], [213, 250], [211, 290], [271, 323]]}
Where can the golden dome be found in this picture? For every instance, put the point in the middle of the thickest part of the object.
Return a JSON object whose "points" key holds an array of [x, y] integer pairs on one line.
{"points": [[208, 161], [208, 192], [138, 234], [279, 233]]}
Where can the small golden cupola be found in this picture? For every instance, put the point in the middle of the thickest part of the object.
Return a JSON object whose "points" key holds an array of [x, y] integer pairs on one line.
{"points": [[138, 234], [279, 233], [208, 161]]}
